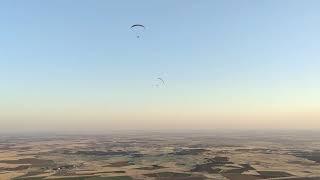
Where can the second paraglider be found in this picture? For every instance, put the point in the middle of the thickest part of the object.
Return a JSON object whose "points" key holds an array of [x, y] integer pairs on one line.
{"points": [[138, 29]]}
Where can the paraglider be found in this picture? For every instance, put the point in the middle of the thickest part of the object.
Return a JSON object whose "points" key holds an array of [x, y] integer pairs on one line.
{"points": [[160, 82], [138, 29]]}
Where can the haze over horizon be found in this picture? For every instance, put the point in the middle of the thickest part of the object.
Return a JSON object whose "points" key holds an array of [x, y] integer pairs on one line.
{"points": [[77, 66]]}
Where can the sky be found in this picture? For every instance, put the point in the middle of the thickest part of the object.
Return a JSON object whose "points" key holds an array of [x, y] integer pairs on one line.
{"points": [[69, 65]]}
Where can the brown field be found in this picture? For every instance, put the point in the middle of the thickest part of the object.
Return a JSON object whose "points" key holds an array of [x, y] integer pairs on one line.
{"points": [[134, 155]]}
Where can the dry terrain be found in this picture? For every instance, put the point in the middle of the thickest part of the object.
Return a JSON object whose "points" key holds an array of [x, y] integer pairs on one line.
{"points": [[162, 155]]}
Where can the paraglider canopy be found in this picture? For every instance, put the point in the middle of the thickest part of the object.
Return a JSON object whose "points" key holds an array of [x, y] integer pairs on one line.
{"points": [[138, 25], [160, 82], [138, 29]]}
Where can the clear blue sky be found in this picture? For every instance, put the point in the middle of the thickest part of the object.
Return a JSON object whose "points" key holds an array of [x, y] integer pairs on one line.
{"points": [[59, 57]]}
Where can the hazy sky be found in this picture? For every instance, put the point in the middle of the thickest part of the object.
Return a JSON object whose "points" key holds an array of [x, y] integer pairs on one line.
{"points": [[76, 65]]}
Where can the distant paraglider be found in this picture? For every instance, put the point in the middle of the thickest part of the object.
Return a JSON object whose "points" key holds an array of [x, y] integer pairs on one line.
{"points": [[138, 29], [160, 82]]}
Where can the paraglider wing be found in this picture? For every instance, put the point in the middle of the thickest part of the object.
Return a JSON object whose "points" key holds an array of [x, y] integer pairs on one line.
{"points": [[162, 80], [138, 29], [138, 25]]}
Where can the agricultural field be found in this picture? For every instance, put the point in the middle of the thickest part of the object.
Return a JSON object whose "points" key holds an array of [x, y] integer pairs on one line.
{"points": [[162, 155]]}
